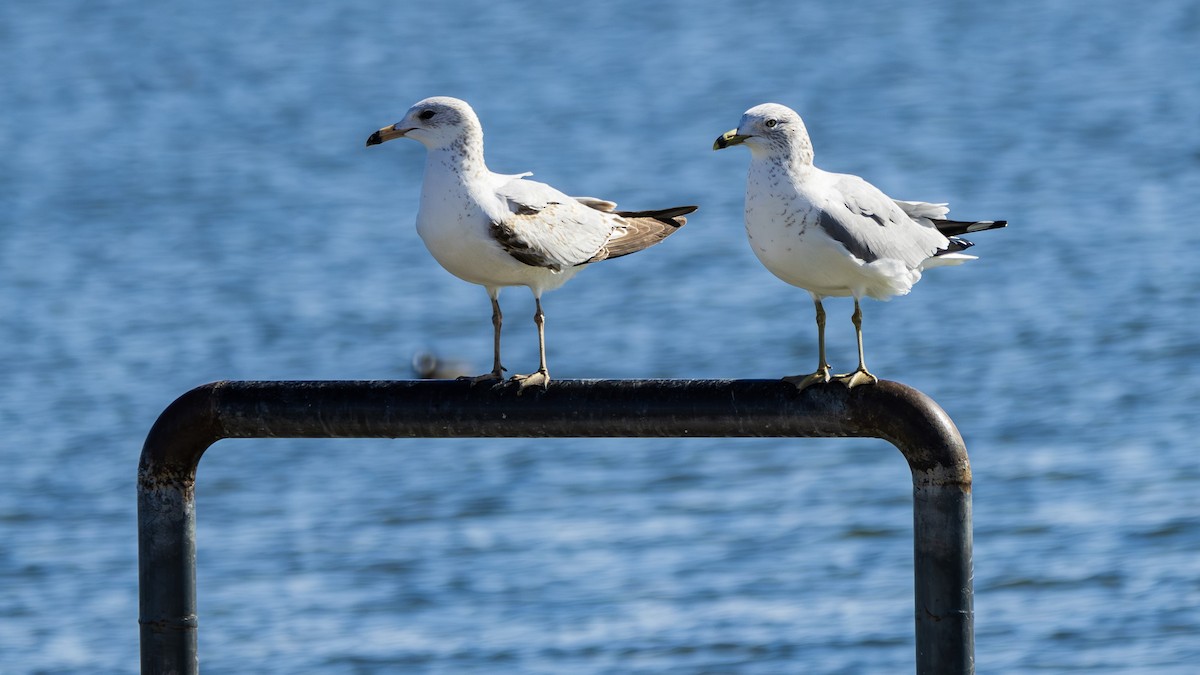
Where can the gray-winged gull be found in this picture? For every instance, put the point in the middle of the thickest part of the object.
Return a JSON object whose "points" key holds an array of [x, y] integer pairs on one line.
{"points": [[500, 230], [835, 234]]}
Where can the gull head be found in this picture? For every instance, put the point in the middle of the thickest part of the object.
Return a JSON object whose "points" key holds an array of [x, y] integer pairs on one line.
{"points": [[436, 122], [769, 129]]}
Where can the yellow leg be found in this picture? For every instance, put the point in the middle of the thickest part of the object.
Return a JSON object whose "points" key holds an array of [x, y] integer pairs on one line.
{"points": [[822, 374], [860, 375]]}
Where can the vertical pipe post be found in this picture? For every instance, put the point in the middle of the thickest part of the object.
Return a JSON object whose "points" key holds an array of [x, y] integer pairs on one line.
{"points": [[167, 532], [942, 540], [167, 573], [943, 575]]}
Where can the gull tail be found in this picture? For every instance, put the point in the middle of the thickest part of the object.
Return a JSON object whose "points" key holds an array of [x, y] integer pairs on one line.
{"points": [[637, 230], [952, 228], [951, 255], [935, 214]]}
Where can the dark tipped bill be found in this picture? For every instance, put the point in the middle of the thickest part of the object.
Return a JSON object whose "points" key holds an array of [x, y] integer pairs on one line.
{"points": [[385, 134], [731, 137]]}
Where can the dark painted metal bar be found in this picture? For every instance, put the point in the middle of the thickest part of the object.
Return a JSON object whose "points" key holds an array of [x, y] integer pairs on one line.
{"points": [[891, 411]]}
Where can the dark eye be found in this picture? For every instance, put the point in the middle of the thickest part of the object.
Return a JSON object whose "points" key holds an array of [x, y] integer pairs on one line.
{"points": [[427, 114], [771, 123]]}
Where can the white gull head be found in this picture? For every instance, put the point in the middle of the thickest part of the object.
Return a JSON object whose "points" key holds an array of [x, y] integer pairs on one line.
{"points": [[438, 122], [770, 130]]}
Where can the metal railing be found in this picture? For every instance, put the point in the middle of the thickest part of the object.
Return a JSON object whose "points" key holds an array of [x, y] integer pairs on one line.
{"points": [[891, 411]]}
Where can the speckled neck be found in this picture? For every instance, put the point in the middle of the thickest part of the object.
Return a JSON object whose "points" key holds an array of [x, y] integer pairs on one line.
{"points": [[794, 153], [802, 151], [463, 156]]}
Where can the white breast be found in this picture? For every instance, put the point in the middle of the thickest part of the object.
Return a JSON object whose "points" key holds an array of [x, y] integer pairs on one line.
{"points": [[782, 224], [454, 222]]}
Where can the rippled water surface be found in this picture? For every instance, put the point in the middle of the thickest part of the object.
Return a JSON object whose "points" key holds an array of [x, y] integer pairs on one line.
{"points": [[186, 197]]}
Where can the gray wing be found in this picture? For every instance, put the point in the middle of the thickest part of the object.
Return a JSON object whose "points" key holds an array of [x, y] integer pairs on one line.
{"points": [[543, 227], [871, 225], [917, 210]]}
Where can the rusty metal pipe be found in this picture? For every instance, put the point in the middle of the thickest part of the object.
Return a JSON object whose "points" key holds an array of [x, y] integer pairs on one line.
{"points": [[891, 411]]}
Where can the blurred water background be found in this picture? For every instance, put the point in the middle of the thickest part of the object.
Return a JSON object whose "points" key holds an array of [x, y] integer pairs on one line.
{"points": [[186, 197]]}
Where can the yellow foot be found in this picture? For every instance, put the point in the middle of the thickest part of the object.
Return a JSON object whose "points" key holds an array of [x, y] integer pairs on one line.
{"points": [[539, 379], [493, 376], [860, 376], [802, 382]]}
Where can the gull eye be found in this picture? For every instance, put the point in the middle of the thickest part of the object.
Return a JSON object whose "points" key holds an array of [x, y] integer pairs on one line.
{"points": [[427, 114], [771, 123]]}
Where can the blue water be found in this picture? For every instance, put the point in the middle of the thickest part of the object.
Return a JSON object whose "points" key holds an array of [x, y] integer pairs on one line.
{"points": [[186, 197]]}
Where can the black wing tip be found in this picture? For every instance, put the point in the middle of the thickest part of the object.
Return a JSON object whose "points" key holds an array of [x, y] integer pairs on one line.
{"points": [[956, 245], [955, 227], [667, 216], [984, 225]]}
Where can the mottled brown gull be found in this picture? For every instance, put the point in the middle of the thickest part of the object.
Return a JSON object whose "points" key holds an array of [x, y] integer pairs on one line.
{"points": [[500, 230]]}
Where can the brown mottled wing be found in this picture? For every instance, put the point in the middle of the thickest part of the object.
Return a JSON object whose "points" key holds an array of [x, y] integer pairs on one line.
{"points": [[510, 239], [543, 227], [637, 230]]}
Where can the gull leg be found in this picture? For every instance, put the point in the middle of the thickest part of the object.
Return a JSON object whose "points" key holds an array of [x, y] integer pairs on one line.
{"points": [[497, 319], [542, 376], [822, 374], [860, 375]]}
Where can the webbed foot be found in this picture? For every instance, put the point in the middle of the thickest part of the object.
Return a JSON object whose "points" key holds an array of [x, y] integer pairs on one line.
{"points": [[540, 378], [802, 382], [494, 376], [852, 380]]}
